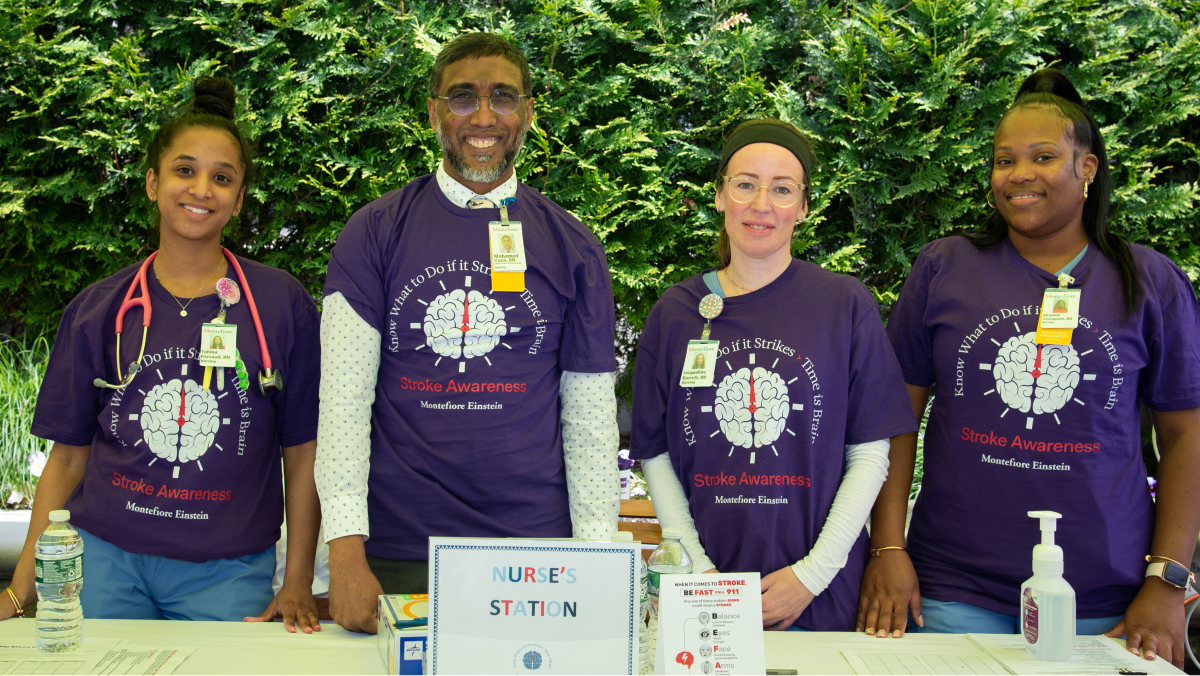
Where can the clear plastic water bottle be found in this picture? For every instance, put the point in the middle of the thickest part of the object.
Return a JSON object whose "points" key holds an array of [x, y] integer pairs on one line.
{"points": [[643, 602], [670, 558], [58, 565]]}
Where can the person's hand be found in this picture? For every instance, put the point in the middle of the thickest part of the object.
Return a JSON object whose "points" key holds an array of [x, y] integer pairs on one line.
{"points": [[712, 571], [1154, 625], [354, 590], [889, 591], [23, 587], [784, 597], [295, 604]]}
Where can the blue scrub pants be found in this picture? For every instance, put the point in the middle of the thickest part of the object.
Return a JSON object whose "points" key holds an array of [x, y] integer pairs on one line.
{"points": [[120, 585], [950, 617]]}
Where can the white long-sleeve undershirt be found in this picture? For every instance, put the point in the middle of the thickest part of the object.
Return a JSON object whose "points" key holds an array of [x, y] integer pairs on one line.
{"points": [[350, 349], [866, 470]]}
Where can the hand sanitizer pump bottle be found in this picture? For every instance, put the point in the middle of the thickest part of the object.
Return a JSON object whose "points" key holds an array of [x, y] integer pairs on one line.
{"points": [[1047, 601]]}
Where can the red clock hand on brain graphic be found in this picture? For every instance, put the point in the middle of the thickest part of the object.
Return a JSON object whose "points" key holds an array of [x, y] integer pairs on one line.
{"points": [[461, 324], [179, 420]]}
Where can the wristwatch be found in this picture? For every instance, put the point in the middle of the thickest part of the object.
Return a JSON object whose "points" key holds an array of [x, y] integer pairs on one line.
{"points": [[1171, 572]]}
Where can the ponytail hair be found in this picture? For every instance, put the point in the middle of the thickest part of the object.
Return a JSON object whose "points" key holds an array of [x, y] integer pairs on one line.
{"points": [[214, 100], [1049, 88]]}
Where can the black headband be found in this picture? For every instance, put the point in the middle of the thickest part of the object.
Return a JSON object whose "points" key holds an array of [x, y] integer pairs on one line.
{"points": [[768, 131]]}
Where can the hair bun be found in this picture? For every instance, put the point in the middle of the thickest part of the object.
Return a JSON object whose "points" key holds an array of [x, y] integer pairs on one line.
{"points": [[214, 96], [1050, 81]]}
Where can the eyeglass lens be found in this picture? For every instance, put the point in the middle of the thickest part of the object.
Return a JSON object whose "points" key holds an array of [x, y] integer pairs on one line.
{"points": [[464, 101], [744, 189]]}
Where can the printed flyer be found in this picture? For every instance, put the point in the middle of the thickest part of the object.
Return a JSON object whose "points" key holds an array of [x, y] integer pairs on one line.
{"points": [[710, 624]]}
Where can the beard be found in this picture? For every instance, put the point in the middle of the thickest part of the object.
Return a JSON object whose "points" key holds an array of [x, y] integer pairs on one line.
{"points": [[480, 174]]}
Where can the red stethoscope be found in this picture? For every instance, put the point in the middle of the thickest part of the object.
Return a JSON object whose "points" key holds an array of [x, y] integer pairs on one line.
{"points": [[268, 378]]}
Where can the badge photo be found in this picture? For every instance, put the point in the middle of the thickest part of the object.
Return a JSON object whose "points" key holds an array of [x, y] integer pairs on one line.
{"points": [[218, 345], [507, 246], [699, 364]]}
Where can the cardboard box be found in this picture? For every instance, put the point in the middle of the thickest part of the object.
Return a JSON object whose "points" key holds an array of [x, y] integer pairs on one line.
{"points": [[402, 649]]}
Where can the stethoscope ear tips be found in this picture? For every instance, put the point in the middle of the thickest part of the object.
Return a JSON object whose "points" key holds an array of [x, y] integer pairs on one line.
{"points": [[270, 379]]}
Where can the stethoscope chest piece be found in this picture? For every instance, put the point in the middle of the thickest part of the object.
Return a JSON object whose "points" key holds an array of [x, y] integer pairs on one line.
{"points": [[270, 379]]}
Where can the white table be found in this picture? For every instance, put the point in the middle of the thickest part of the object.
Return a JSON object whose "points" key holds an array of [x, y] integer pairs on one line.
{"points": [[246, 648]]}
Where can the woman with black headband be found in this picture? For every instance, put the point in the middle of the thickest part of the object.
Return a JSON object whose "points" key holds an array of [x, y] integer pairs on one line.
{"points": [[768, 453], [1041, 333]]}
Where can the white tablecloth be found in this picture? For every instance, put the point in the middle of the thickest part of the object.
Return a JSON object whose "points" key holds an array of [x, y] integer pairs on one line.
{"points": [[246, 648]]}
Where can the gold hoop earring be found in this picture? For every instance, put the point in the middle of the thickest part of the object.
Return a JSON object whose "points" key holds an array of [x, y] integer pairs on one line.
{"points": [[1085, 190], [989, 199]]}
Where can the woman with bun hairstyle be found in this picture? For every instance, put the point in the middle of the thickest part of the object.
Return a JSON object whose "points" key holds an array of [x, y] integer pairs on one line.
{"points": [[171, 468], [1025, 421], [773, 463]]}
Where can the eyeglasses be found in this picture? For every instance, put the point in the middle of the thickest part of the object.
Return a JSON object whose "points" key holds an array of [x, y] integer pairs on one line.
{"points": [[463, 102], [743, 189]]}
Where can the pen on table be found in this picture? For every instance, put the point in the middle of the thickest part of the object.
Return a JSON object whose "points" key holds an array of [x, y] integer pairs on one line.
{"points": [[419, 622]]}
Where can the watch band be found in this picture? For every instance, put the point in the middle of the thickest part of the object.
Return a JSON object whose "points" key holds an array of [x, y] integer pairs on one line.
{"points": [[1170, 572]]}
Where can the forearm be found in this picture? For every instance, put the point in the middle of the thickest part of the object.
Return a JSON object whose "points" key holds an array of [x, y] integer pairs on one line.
{"points": [[63, 472], [1177, 505], [671, 508], [350, 358], [303, 513], [866, 469], [891, 507], [589, 429]]}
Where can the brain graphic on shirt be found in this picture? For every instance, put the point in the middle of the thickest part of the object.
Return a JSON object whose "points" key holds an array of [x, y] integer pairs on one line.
{"points": [[1051, 390], [445, 319], [732, 407], [161, 415]]}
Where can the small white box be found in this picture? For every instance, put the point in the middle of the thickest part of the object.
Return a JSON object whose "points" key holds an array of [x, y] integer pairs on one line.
{"points": [[402, 650]]}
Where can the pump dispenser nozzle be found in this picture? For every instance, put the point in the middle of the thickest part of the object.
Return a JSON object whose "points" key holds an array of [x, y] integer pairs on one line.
{"points": [[1049, 524], [1047, 551]]}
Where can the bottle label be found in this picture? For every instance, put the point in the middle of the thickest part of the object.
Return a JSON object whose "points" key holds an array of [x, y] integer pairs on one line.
{"points": [[652, 592], [1029, 615], [59, 571]]}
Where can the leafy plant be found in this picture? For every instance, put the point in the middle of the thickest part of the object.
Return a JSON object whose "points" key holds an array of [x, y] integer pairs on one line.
{"points": [[22, 455], [633, 98]]}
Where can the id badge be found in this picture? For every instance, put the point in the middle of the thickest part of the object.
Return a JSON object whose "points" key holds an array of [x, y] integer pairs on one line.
{"points": [[218, 345], [699, 364], [1059, 316], [508, 246]]}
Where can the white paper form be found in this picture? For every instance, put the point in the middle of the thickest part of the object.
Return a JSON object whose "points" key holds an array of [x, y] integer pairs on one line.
{"points": [[140, 659], [27, 659], [1092, 655], [974, 662]]}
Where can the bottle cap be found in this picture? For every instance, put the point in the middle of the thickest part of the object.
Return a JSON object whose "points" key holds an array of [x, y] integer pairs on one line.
{"points": [[60, 515], [622, 536], [673, 533]]}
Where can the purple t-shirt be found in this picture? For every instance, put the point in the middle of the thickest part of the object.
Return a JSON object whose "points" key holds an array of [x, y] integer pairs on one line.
{"points": [[1001, 442], [211, 487], [760, 482], [465, 436]]}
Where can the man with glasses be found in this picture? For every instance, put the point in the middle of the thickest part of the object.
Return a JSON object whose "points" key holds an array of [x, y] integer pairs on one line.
{"points": [[467, 366]]}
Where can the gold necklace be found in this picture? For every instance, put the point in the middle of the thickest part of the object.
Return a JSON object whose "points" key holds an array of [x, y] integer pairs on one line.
{"points": [[730, 278], [183, 308]]}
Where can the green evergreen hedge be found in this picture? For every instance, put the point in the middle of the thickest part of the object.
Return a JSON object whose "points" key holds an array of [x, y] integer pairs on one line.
{"points": [[633, 99]]}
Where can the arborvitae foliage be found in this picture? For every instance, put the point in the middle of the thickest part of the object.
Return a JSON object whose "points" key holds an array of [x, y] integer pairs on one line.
{"points": [[633, 99]]}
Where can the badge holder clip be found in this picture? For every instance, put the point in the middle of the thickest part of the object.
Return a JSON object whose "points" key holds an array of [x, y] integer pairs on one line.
{"points": [[1060, 313], [507, 280], [700, 362]]}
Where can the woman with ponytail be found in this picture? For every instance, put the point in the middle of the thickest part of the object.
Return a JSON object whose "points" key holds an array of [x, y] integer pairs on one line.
{"points": [[1030, 418], [171, 471], [768, 454]]}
